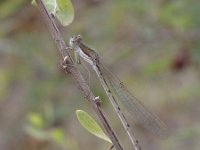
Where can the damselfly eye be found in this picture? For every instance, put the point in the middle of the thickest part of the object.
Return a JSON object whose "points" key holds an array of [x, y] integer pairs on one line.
{"points": [[78, 36]]}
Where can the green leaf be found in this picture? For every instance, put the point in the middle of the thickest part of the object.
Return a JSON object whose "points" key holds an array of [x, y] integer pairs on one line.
{"points": [[33, 2], [58, 135], [36, 133], [36, 120], [91, 125], [51, 5], [62, 9], [64, 12]]}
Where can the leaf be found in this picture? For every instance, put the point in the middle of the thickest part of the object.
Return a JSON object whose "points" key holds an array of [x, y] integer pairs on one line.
{"points": [[36, 120], [33, 2], [36, 133], [64, 12], [58, 135], [51, 5], [91, 125], [62, 9]]}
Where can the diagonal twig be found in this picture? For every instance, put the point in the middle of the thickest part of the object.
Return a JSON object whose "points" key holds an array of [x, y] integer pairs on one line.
{"points": [[75, 74]]}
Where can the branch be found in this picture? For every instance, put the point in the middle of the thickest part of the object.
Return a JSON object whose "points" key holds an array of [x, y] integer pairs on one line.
{"points": [[75, 74]]}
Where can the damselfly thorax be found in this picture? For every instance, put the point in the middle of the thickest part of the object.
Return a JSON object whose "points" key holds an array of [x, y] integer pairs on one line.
{"points": [[82, 50]]}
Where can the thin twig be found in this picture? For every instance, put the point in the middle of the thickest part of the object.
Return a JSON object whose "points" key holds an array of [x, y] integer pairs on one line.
{"points": [[117, 109], [75, 74]]}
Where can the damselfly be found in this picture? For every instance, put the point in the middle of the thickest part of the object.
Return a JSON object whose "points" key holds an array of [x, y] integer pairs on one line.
{"points": [[140, 113]]}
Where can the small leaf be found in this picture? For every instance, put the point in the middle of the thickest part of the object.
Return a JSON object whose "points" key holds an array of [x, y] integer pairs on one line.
{"points": [[36, 133], [36, 120], [51, 5], [62, 9], [64, 12], [33, 2], [58, 136], [91, 125]]}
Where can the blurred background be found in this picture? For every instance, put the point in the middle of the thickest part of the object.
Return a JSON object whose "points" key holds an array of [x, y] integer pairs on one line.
{"points": [[152, 46]]}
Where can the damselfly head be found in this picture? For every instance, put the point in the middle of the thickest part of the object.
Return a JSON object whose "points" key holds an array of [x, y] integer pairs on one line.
{"points": [[74, 40]]}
